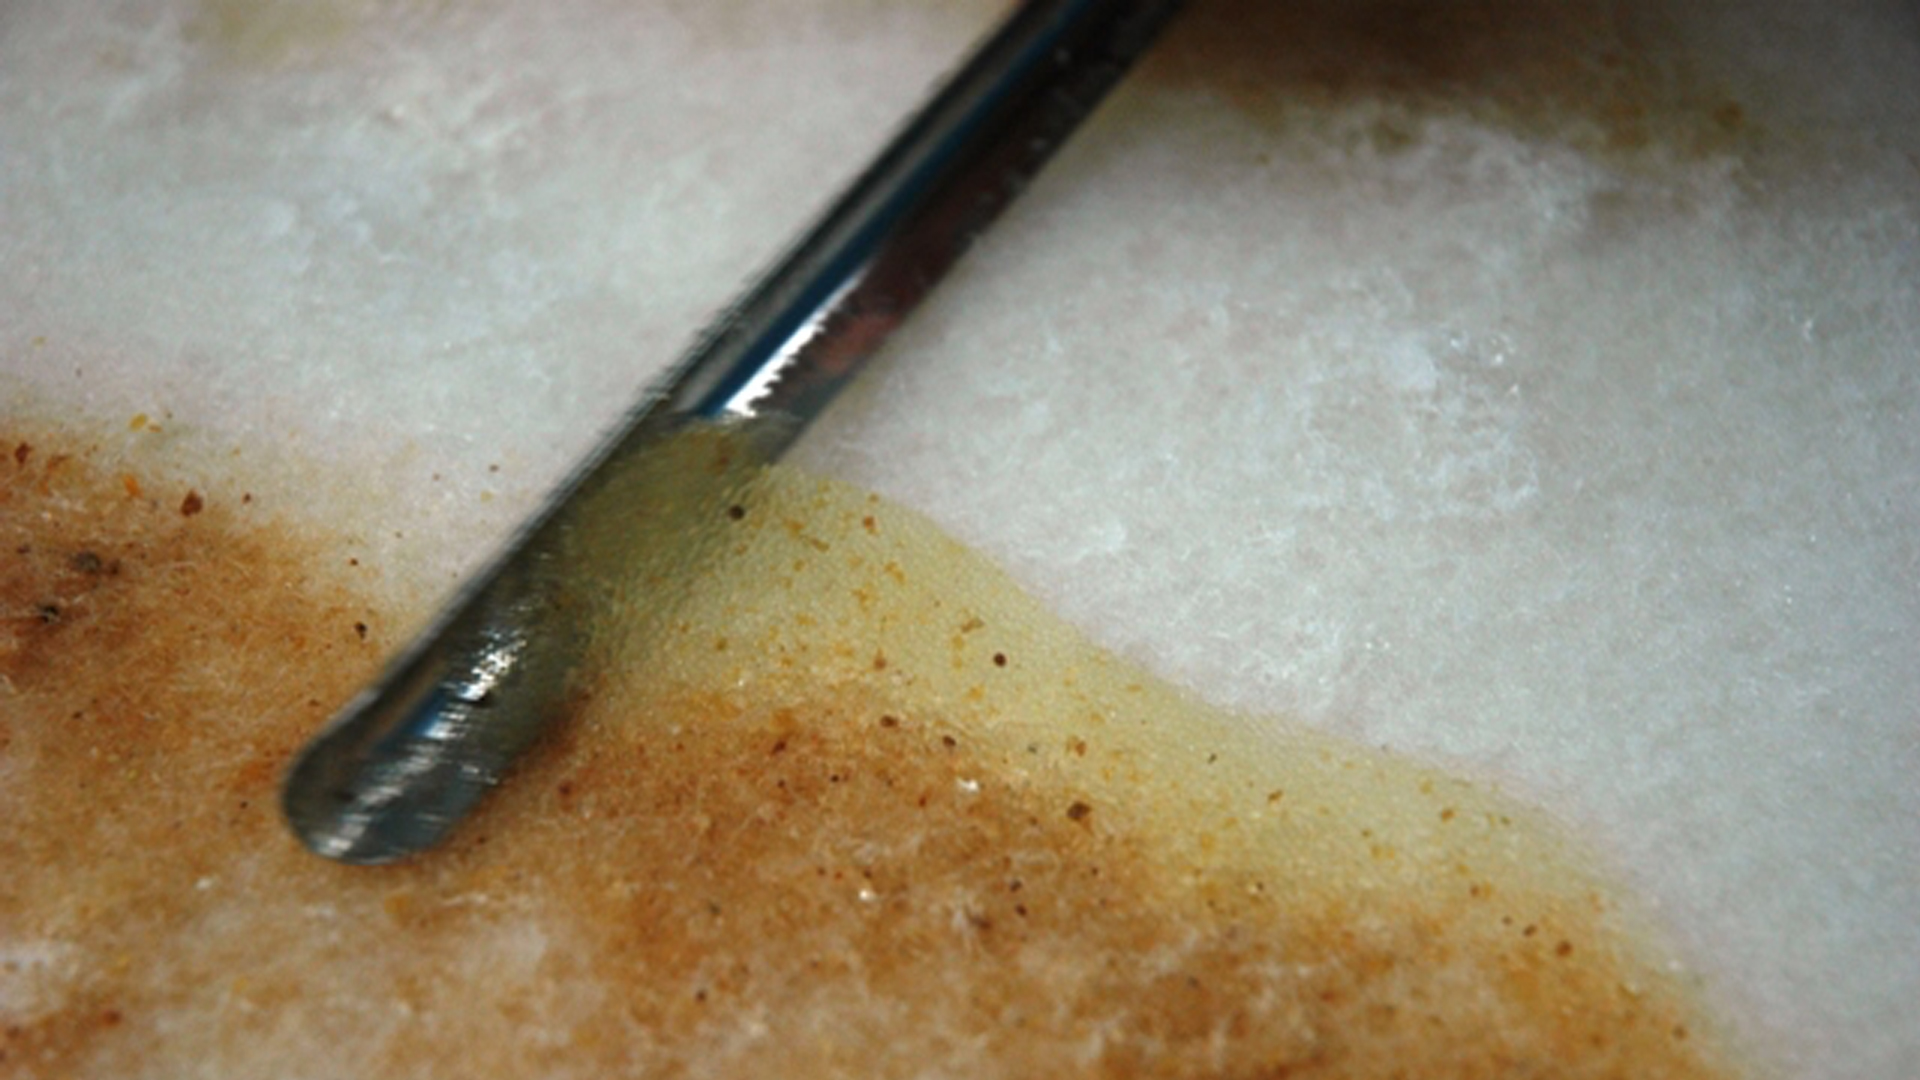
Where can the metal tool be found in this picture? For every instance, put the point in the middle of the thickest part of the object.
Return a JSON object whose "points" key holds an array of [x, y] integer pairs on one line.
{"points": [[408, 757]]}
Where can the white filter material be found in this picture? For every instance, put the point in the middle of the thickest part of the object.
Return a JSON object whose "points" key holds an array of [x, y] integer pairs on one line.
{"points": [[1589, 469]]}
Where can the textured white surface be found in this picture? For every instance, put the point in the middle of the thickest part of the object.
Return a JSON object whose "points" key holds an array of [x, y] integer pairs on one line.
{"points": [[1594, 472]]}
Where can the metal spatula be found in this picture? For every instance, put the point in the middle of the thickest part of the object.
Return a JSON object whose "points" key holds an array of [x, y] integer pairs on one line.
{"points": [[408, 757]]}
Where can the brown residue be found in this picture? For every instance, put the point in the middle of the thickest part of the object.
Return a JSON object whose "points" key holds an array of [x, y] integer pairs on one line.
{"points": [[149, 674], [797, 877], [1608, 77]]}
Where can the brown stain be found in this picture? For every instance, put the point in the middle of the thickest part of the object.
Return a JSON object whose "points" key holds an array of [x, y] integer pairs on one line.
{"points": [[776, 859], [270, 34], [157, 667], [1604, 75]]}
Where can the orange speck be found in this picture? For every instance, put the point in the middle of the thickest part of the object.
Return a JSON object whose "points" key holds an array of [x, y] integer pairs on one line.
{"points": [[131, 483]]}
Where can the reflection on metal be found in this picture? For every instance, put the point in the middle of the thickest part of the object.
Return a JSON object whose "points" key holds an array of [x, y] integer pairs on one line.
{"points": [[751, 400]]}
